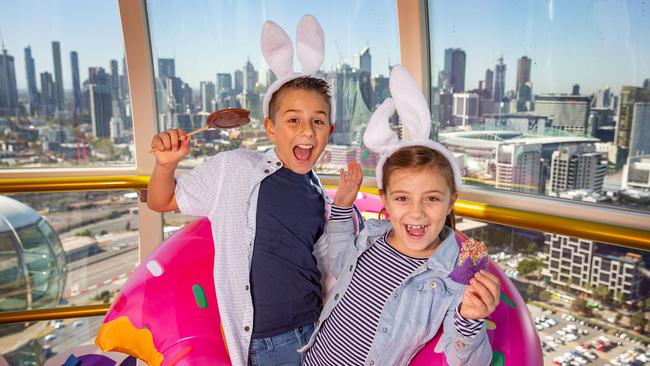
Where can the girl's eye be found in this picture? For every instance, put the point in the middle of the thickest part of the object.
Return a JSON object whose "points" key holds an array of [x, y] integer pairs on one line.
{"points": [[318, 122], [400, 199], [432, 199]]}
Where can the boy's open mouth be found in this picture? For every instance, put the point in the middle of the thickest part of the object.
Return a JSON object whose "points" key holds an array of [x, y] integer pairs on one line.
{"points": [[302, 152], [416, 231]]}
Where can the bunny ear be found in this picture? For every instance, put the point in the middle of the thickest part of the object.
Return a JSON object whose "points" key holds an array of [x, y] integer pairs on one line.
{"points": [[378, 136], [277, 49], [310, 42], [410, 103]]}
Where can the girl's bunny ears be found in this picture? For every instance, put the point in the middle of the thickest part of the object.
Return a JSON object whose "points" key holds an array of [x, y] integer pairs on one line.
{"points": [[412, 108], [277, 49]]}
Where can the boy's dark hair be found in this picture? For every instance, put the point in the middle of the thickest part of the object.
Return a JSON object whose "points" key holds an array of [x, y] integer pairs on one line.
{"points": [[317, 85], [421, 157]]}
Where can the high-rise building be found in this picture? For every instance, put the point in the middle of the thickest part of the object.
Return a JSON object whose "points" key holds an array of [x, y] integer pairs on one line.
{"points": [[568, 112], [583, 265], [499, 80], [600, 121], [174, 88], [363, 61], [115, 80], [640, 134], [166, 68], [8, 88], [629, 96], [250, 77], [270, 77], [575, 90], [32, 90], [100, 101], [646, 84], [454, 69], [207, 96], [76, 85], [47, 94], [465, 109], [58, 76], [519, 167], [124, 81], [380, 88], [523, 72], [489, 83], [603, 99], [577, 167], [239, 81], [224, 83]]}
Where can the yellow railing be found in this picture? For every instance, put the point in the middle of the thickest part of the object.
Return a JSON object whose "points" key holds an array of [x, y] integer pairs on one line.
{"points": [[622, 236]]}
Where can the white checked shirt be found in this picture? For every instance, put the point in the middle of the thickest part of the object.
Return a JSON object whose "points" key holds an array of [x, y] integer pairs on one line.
{"points": [[225, 189]]}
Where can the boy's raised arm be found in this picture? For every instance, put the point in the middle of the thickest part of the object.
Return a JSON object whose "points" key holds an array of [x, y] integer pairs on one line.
{"points": [[169, 147]]}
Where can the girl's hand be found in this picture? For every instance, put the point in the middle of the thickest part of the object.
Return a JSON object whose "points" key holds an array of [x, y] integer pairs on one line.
{"points": [[349, 185], [481, 296], [170, 146]]}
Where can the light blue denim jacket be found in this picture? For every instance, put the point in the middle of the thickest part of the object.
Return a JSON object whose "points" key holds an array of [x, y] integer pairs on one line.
{"points": [[415, 311]]}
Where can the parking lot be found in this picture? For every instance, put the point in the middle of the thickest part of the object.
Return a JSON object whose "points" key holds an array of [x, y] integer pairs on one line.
{"points": [[572, 342]]}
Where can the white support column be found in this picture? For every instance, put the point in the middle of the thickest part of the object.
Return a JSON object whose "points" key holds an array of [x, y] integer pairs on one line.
{"points": [[139, 62], [413, 23]]}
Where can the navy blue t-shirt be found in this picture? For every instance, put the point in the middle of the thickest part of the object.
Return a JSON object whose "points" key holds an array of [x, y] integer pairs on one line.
{"points": [[285, 280]]}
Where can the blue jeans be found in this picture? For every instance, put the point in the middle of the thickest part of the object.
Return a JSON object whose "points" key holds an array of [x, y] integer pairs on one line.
{"points": [[281, 349]]}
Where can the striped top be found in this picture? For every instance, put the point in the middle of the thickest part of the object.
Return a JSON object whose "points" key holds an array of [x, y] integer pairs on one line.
{"points": [[346, 337]]}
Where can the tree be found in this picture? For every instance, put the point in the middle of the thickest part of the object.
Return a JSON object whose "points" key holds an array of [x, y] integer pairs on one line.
{"points": [[527, 266], [638, 321], [618, 318], [601, 293], [579, 305], [531, 290], [545, 296]]}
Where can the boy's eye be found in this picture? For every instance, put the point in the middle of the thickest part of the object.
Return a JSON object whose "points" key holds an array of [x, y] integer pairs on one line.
{"points": [[293, 120], [318, 122]]}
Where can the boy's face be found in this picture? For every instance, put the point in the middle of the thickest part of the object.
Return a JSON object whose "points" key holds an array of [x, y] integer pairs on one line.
{"points": [[300, 128]]}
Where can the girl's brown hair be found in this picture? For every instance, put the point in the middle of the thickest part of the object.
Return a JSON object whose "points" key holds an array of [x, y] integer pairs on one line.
{"points": [[420, 157]]}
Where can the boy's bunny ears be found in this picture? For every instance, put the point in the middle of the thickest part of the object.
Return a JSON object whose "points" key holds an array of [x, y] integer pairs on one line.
{"points": [[412, 108], [277, 49]]}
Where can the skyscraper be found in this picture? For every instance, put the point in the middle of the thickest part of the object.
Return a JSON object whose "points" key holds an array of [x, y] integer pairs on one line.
{"points": [[76, 85], [47, 94], [640, 134], [58, 76], [224, 83], [32, 90], [207, 96], [569, 113], [8, 88], [124, 81], [115, 80], [454, 69], [523, 72], [577, 167], [575, 90], [628, 97], [239, 81], [166, 68], [465, 109], [489, 83], [499, 80], [250, 77], [519, 167], [363, 61], [99, 95]]}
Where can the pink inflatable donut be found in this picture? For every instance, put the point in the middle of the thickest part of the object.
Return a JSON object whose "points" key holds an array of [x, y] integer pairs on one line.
{"points": [[168, 315]]}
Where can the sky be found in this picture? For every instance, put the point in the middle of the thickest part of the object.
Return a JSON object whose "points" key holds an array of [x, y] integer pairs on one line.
{"points": [[595, 43]]}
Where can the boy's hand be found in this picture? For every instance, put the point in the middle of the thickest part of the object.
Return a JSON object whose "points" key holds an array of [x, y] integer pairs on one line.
{"points": [[481, 296], [170, 146], [349, 185]]}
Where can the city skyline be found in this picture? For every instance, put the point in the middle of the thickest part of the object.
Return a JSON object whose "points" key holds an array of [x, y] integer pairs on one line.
{"points": [[553, 70]]}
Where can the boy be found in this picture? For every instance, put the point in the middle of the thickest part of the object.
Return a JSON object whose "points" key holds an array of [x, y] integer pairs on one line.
{"points": [[267, 212]]}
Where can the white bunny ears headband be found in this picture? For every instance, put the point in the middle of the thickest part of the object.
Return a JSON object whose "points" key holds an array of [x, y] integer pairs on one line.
{"points": [[277, 49], [414, 114]]}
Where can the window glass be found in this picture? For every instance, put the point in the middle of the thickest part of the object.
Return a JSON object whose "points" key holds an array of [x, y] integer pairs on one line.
{"points": [[546, 98], [207, 56], [64, 95]]}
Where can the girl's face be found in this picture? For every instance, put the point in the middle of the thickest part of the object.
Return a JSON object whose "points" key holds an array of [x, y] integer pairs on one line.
{"points": [[418, 201]]}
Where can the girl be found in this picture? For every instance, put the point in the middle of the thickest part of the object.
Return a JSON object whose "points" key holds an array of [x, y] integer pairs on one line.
{"points": [[399, 281]]}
